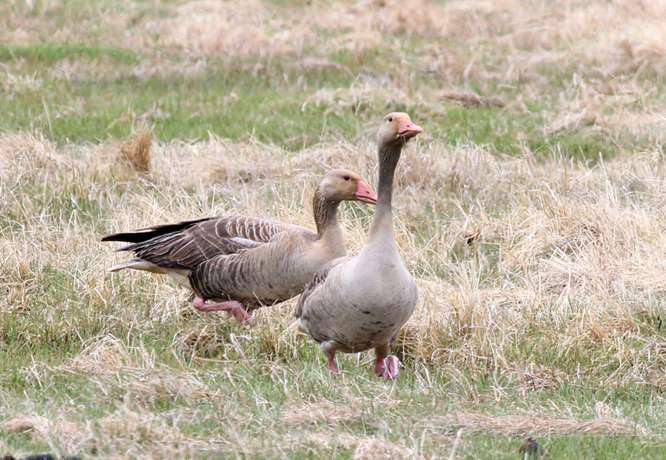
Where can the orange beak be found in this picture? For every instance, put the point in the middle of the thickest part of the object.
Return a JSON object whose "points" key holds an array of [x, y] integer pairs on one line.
{"points": [[407, 129], [364, 193]]}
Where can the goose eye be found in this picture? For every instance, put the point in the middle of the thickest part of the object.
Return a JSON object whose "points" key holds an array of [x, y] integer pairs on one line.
{"points": [[346, 178], [389, 119]]}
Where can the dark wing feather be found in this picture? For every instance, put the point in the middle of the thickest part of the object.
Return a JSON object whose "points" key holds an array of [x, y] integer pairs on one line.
{"points": [[145, 234], [317, 280]]}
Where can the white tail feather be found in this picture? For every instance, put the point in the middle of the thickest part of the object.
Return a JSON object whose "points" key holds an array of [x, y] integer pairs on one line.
{"points": [[177, 275]]}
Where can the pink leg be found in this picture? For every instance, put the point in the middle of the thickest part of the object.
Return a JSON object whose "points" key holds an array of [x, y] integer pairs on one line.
{"points": [[329, 350], [380, 365], [330, 363], [386, 366], [232, 307], [392, 367]]}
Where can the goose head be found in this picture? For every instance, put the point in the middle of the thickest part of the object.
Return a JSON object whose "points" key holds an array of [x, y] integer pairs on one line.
{"points": [[344, 185], [397, 127]]}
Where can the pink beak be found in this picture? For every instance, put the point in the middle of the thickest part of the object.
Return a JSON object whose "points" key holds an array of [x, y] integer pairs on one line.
{"points": [[407, 129], [365, 194]]}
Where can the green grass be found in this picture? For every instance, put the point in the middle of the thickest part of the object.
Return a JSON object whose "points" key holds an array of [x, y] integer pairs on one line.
{"points": [[238, 106], [566, 447], [232, 105], [49, 53], [258, 392]]}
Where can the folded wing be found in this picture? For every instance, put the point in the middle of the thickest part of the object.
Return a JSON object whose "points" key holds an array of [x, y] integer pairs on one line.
{"points": [[186, 244], [317, 282]]}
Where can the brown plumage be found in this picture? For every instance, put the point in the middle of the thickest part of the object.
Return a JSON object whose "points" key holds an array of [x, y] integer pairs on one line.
{"points": [[356, 303], [242, 263]]}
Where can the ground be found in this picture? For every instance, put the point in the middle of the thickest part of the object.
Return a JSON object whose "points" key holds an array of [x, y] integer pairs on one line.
{"points": [[530, 212]]}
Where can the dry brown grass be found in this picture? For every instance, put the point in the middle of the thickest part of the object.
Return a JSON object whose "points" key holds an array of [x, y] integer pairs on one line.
{"points": [[123, 434], [570, 250], [527, 36], [507, 38], [333, 417], [470, 99], [538, 425], [355, 409], [573, 241]]}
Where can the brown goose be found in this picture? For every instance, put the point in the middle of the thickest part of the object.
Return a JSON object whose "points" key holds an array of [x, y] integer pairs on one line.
{"points": [[238, 264], [356, 303]]}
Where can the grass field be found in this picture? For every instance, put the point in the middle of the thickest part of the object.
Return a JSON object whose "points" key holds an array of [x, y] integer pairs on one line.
{"points": [[531, 213]]}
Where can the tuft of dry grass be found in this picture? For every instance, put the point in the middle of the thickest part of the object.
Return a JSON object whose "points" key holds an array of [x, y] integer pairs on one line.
{"points": [[470, 99], [136, 151], [25, 423], [331, 413], [53, 431], [538, 425], [105, 355], [381, 449]]}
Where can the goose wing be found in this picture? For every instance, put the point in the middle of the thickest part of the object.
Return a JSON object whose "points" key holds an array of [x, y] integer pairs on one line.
{"points": [[316, 283], [261, 275], [185, 245]]}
